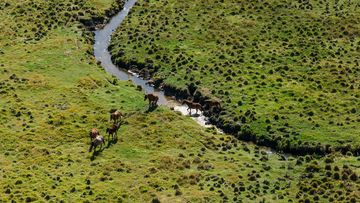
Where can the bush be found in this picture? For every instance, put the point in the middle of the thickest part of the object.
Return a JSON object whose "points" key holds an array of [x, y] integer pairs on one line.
{"points": [[313, 167], [329, 160], [353, 177]]}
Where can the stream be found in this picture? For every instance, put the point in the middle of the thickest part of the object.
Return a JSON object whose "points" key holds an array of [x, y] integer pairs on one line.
{"points": [[102, 55]]}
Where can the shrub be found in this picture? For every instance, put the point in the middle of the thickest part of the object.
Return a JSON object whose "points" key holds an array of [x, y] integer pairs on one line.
{"points": [[313, 167], [329, 159], [328, 174], [353, 177]]}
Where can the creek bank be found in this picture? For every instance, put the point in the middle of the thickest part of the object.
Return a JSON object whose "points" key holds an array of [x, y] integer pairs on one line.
{"points": [[102, 39], [98, 22], [241, 131], [147, 70]]}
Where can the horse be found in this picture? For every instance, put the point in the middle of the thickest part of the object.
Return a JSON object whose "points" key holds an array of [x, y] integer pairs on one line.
{"points": [[192, 105], [115, 116], [150, 82], [144, 73], [153, 99], [161, 86], [113, 130], [212, 103], [93, 134], [99, 140]]}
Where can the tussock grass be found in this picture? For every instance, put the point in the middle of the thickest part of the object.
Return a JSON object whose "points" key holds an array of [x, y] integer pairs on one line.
{"points": [[52, 93], [285, 71]]}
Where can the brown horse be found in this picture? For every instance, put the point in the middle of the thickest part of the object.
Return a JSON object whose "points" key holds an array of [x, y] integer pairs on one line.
{"points": [[113, 130], [153, 99], [93, 133], [212, 103], [192, 105], [116, 116]]}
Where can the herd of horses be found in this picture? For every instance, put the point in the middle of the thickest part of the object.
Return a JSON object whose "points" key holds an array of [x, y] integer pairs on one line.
{"points": [[115, 116], [98, 140]]}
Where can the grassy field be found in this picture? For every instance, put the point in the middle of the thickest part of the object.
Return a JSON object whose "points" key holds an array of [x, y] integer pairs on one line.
{"points": [[287, 72], [52, 93]]}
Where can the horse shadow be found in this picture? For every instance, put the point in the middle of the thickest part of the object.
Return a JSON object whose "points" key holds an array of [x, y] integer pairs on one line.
{"points": [[96, 153], [151, 108], [111, 142]]}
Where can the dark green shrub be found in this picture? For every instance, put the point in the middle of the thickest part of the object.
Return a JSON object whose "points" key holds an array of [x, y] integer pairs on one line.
{"points": [[353, 177]]}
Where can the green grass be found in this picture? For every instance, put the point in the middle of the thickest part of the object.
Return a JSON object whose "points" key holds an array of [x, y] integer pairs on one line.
{"points": [[52, 93], [293, 65]]}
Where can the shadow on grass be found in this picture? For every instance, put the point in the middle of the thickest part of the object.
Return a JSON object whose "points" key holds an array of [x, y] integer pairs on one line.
{"points": [[151, 108], [112, 141], [96, 153]]}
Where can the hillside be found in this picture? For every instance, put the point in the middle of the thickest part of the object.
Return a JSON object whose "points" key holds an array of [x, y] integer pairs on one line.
{"points": [[52, 93], [286, 72]]}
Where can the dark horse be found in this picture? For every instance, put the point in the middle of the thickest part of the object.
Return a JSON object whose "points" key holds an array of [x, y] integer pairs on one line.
{"points": [[99, 140], [150, 82], [153, 99], [192, 105], [213, 104], [93, 134], [116, 116], [113, 131]]}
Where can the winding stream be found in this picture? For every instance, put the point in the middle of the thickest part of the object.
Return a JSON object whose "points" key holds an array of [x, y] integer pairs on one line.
{"points": [[102, 55]]}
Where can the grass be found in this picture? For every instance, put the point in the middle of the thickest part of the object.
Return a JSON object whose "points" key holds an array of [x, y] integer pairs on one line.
{"points": [[52, 93], [285, 71]]}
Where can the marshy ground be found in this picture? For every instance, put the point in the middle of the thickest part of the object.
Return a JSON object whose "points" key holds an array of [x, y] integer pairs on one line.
{"points": [[52, 93]]}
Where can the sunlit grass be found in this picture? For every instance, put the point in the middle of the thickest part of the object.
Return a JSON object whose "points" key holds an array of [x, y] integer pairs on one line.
{"points": [[292, 64], [52, 93]]}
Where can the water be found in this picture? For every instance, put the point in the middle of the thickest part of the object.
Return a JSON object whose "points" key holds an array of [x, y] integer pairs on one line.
{"points": [[102, 55]]}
